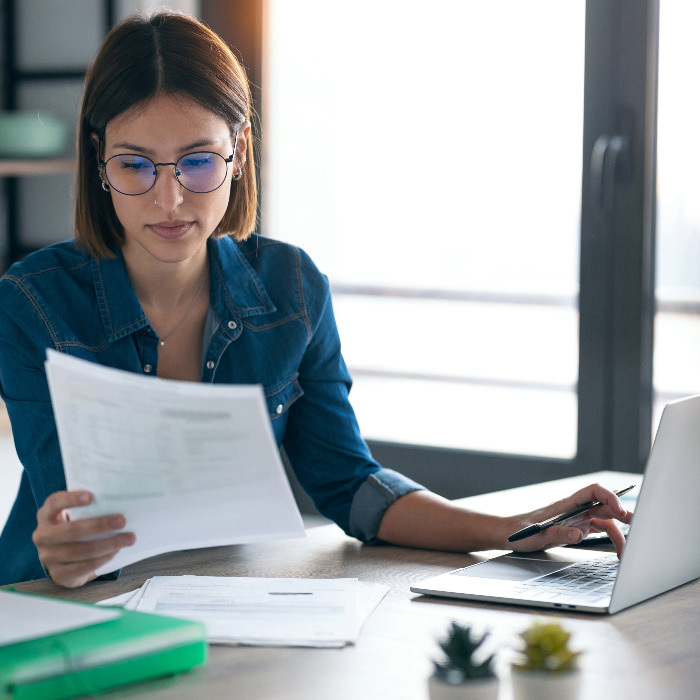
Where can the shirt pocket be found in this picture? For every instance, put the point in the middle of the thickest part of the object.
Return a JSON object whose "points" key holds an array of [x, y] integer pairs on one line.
{"points": [[280, 397]]}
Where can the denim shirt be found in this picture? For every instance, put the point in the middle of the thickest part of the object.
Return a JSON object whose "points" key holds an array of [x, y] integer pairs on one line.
{"points": [[270, 322]]}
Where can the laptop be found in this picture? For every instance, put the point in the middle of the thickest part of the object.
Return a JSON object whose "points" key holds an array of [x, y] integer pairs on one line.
{"points": [[661, 551]]}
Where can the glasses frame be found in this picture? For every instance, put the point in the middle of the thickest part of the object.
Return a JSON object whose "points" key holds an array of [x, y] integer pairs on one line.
{"points": [[103, 164]]}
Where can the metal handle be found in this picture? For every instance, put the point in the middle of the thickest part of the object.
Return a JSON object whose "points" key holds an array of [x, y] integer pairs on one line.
{"points": [[608, 155]]}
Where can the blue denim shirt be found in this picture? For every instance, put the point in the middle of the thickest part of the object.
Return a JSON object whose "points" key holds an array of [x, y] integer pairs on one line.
{"points": [[270, 322]]}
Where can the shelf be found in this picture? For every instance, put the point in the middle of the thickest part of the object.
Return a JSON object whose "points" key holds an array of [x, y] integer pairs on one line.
{"points": [[20, 168]]}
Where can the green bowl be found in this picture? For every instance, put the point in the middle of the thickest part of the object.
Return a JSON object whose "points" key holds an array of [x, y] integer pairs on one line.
{"points": [[35, 134]]}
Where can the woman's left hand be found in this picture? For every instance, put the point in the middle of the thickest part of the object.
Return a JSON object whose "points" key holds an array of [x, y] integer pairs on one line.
{"points": [[573, 530]]}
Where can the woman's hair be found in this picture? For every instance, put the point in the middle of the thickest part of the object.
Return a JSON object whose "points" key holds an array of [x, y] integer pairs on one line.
{"points": [[142, 57]]}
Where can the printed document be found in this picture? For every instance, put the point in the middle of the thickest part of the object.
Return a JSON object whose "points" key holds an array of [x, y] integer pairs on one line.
{"points": [[188, 465], [262, 611]]}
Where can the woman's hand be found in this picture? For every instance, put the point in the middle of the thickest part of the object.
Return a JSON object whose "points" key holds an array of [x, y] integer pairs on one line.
{"points": [[572, 531], [67, 557]]}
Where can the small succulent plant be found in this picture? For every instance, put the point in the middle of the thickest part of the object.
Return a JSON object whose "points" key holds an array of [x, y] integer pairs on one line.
{"points": [[460, 666], [546, 649]]}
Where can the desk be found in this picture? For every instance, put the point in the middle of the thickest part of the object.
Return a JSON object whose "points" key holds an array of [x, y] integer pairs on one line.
{"points": [[649, 651]]}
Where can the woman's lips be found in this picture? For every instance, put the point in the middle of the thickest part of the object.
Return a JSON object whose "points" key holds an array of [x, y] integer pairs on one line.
{"points": [[170, 229]]}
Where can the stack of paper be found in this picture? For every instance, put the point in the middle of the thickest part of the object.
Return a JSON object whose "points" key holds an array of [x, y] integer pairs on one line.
{"points": [[262, 611]]}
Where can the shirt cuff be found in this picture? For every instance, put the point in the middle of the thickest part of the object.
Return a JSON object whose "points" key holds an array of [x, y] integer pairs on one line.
{"points": [[377, 493], [111, 576]]}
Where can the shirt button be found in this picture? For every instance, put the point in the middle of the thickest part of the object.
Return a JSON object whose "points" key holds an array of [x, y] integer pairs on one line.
{"points": [[210, 364], [147, 368], [232, 325], [279, 409]]}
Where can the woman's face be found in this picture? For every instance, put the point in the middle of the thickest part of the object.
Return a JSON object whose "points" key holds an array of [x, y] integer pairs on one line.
{"points": [[168, 223]]}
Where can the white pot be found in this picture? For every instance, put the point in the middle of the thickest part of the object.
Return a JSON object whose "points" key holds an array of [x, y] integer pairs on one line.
{"points": [[536, 685], [479, 689]]}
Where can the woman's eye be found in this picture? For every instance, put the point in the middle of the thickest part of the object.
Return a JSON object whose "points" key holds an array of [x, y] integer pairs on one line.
{"points": [[193, 163], [134, 165]]}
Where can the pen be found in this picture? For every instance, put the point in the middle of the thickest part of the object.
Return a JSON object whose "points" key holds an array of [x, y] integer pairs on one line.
{"points": [[538, 527]]}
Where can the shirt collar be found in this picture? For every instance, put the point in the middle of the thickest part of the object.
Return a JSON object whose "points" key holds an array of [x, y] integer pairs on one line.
{"points": [[236, 286], [236, 289]]}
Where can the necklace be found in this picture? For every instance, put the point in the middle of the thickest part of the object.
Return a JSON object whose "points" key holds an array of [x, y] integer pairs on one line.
{"points": [[187, 310]]}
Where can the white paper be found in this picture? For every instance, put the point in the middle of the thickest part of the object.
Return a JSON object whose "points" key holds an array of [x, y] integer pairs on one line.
{"points": [[189, 465], [31, 617], [263, 611], [119, 601], [369, 596]]}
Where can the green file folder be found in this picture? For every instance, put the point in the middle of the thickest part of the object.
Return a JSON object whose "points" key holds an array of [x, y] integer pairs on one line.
{"points": [[89, 660]]}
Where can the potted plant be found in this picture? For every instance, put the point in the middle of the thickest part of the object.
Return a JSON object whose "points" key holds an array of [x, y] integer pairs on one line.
{"points": [[546, 667], [462, 674]]}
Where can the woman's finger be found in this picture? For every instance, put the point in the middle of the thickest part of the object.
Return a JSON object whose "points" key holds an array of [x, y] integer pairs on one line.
{"points": [[54, 506], [75, 530], [73, 563]]}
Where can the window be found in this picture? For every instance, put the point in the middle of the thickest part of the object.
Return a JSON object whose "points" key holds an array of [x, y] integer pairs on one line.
{"points": [[477, 180], [431, 165]]}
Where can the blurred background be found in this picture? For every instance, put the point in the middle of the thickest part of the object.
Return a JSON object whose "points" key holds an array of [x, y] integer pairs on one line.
{"points": [[503, 195]]}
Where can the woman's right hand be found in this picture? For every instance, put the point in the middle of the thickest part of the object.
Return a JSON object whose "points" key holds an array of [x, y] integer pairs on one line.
{"points": [[69, 559]]}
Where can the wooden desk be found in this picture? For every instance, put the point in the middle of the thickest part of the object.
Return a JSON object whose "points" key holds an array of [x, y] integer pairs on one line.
{"points": [[649, 651]]}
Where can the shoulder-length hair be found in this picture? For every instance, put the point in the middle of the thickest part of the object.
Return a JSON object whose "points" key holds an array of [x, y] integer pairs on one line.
{"points": [[142, 57]]}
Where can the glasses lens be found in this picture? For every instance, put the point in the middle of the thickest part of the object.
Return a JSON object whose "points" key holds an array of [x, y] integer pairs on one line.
{"points": [[131, 174], [201, 172]]}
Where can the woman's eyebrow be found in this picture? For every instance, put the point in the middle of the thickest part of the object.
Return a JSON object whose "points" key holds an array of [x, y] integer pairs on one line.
{"points": [[132, 147], [202, 142], [195, 144]]}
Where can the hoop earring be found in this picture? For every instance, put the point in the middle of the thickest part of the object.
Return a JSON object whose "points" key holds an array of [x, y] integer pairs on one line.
{"points": [[239, 176], [105, 186]]}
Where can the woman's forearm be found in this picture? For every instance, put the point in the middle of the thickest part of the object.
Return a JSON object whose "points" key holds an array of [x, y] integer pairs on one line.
{"points": [[425, 520]]}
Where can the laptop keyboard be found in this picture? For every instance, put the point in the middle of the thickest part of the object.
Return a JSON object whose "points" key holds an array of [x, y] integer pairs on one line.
{"points": [[590, 581]]}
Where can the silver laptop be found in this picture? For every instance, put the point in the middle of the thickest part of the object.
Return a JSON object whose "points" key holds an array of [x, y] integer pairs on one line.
{"points": [[661, 552]]}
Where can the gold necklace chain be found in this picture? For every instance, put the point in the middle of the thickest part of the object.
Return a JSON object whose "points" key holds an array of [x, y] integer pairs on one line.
{"points": [[187, 310]]}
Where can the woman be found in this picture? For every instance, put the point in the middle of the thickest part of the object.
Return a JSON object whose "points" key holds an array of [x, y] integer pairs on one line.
{"points": [[165, 278]]}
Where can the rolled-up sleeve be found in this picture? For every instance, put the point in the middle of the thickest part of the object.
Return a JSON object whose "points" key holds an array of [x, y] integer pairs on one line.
{"points": [[371, 500]]}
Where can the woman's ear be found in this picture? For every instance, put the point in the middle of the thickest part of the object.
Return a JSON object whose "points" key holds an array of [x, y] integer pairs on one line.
{"points": [[242, 142], [98, 157]]}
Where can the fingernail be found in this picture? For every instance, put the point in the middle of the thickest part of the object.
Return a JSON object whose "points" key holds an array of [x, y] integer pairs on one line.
{"points": [[117, 523], [574, 535], [129, 539], [84, 498]]}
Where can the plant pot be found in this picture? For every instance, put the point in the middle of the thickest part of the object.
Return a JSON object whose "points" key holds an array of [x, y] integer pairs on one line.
{"points": [[478, 689], [538, 685]]}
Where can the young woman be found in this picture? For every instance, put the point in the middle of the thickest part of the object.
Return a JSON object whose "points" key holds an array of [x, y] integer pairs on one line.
{"points": [[165, 278]]}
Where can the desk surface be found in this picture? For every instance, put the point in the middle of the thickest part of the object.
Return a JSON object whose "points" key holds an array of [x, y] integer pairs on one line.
{"points": [[648, 651]]}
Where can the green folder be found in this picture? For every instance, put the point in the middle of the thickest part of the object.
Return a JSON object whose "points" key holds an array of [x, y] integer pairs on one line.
{"points": [[85, 661]]}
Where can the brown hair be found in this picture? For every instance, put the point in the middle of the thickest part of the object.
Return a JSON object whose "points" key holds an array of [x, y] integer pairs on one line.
{"points": [[165, 54]]}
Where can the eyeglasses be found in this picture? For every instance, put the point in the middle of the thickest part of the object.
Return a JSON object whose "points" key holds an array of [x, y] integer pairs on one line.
{"points": [[199, 172]]}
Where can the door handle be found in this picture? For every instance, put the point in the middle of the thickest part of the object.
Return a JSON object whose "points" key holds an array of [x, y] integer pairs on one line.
{"points": [[610, 153]]}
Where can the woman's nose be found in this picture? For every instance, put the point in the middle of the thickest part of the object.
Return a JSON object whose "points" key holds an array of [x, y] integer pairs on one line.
{"points": [[168, 192]]}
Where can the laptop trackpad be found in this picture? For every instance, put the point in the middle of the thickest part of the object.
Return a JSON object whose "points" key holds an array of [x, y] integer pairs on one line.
{"points": [[512, 568]]}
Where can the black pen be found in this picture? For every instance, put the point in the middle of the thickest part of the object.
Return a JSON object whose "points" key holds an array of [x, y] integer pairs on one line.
{"points": [[531, 530]]}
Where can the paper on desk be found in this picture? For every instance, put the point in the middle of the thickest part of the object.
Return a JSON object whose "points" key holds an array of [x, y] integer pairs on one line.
{"points": [[26, 617], [188, 465], [262, 611], [120, 601]]}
